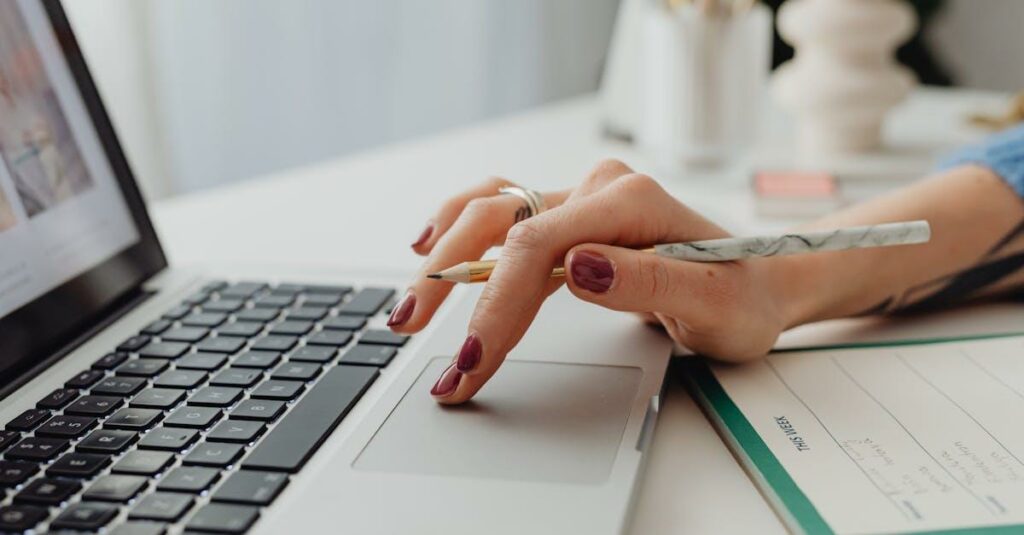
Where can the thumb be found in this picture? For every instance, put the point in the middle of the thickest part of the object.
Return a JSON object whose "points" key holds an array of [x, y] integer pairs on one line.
{"points": [[636, 281]]}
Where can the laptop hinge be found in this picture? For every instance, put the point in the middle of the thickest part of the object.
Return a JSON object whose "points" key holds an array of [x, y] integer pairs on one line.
{"points": [[108, 316]]}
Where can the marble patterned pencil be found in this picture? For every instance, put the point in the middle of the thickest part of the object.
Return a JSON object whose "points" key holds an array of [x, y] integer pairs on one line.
{"points": [[727, 249]]}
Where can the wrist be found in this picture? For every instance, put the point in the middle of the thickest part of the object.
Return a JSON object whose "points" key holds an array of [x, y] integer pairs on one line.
{"points": [[794, 288]]}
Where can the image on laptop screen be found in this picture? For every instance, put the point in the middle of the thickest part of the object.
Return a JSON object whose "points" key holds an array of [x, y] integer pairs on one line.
{"points": [[61, 209]]}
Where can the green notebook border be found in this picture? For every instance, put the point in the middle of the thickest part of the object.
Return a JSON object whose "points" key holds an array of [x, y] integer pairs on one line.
{"points": [[784, 495]]}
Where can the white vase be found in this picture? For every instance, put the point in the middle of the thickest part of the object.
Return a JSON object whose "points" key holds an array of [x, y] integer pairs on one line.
{"points": [[844, 77]]}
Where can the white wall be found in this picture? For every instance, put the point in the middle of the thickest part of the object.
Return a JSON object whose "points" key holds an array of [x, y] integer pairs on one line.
{"points": [[982, 41]]}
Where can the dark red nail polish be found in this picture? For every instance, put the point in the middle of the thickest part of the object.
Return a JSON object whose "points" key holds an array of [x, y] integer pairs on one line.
{"points": [[591, 271], [469, 355], [403, 311], [424, 236], [448, 382]]}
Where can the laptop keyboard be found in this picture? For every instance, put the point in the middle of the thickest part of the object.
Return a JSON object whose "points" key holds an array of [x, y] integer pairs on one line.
{"points": [[197, 422]]}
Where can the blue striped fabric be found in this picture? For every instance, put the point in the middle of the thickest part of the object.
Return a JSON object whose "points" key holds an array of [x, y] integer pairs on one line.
{"points": [[1003, 153]]}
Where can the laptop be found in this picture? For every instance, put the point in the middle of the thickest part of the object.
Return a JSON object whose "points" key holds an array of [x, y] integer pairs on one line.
{"points": [[140, 399]]}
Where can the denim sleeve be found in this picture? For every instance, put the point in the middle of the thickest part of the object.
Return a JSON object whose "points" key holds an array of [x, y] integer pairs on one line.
{"points": [[1003, 153]]}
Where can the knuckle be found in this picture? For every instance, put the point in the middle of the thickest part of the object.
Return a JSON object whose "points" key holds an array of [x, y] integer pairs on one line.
{"points": [[495, 182], [654, 278], [607, 169], [526, 235], [639, 183]]}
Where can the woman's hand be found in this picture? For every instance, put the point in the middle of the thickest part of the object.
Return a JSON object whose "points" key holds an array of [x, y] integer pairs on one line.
{"points": [[725, 310]]}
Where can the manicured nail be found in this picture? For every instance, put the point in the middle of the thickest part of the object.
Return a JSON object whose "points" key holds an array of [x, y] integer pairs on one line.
{"points": [[424, 236], [591, 271], [403, 311], [448, 382], [469, 355]]}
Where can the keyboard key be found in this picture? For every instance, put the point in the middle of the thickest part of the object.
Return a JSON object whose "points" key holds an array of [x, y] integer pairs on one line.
{"points": [[240, 431], [213, 286], [383, 337], [192, 479], [139, 528], [115, 488], [157, 398], [28, 420], [134, 343], [133, 419], [213, 454], [319, 354], [282, 390], [185, 334], [223, 518], [291, 443], [57, 399], [94, 405], [345, 323], [7, 438], [168, 439], [194, 417], [226, 344], [223, 305], [37, 449], [243, 329], [142, 367], [292, 328], [66, 426], [296, 371], [164, 350], [14, 473], [329, 338], [322, 299], [287, 289], [119, 386], [202, 361], [84, 379], [46, 491], [110, 361], [216, 396], [257, 359], [186, 379], [78, 465], [157, 327], [144, 463], [274, 301], [178, 312], [197, 298], [204, 319], [242, 290], [85, 516], [237, 377], [250, 487], [279, 344], [327, 289], [18, 518], [366, 302], [258, 315], [307, 313], [264, 410], [367, 355], [107, 441]]}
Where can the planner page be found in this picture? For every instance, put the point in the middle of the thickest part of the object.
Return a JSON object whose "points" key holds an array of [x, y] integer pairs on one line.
{"points": [[909, 438]]}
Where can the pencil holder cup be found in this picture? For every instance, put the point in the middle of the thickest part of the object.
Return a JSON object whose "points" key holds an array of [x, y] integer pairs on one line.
{"points": [[702, 82]]}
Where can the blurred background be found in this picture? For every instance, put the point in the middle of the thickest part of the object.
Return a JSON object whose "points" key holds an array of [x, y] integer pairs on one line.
{"points": [[206, 93]]}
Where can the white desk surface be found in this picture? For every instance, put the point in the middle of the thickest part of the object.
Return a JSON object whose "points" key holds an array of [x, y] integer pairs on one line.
{"points": [[361, 212]]}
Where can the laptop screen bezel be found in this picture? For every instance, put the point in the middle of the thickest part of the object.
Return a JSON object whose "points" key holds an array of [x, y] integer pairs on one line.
{"points": [[32, 335]]}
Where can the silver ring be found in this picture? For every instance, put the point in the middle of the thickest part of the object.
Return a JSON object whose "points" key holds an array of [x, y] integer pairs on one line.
{"points": [[533, 201]]}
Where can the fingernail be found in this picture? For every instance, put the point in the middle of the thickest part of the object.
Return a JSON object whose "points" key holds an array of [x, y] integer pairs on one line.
{"points": [[403, 311], [469, 355], [591, 271], [424, 236], [448, 382]]}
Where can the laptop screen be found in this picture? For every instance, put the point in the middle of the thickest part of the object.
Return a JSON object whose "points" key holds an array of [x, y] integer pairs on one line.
{"points": [[72, 228]]}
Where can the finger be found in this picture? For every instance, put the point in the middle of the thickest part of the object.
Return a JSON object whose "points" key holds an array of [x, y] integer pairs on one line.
{"points": [[451, 209], [633, 210], [604, 173], [483, 223], [634, 281]]}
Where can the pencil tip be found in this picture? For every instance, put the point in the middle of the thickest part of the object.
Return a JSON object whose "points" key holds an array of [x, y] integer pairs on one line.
{"points": [[434, 276]]}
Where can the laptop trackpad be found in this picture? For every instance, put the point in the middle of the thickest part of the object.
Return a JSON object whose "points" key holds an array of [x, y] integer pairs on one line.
{"points": [[534, 421]]}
